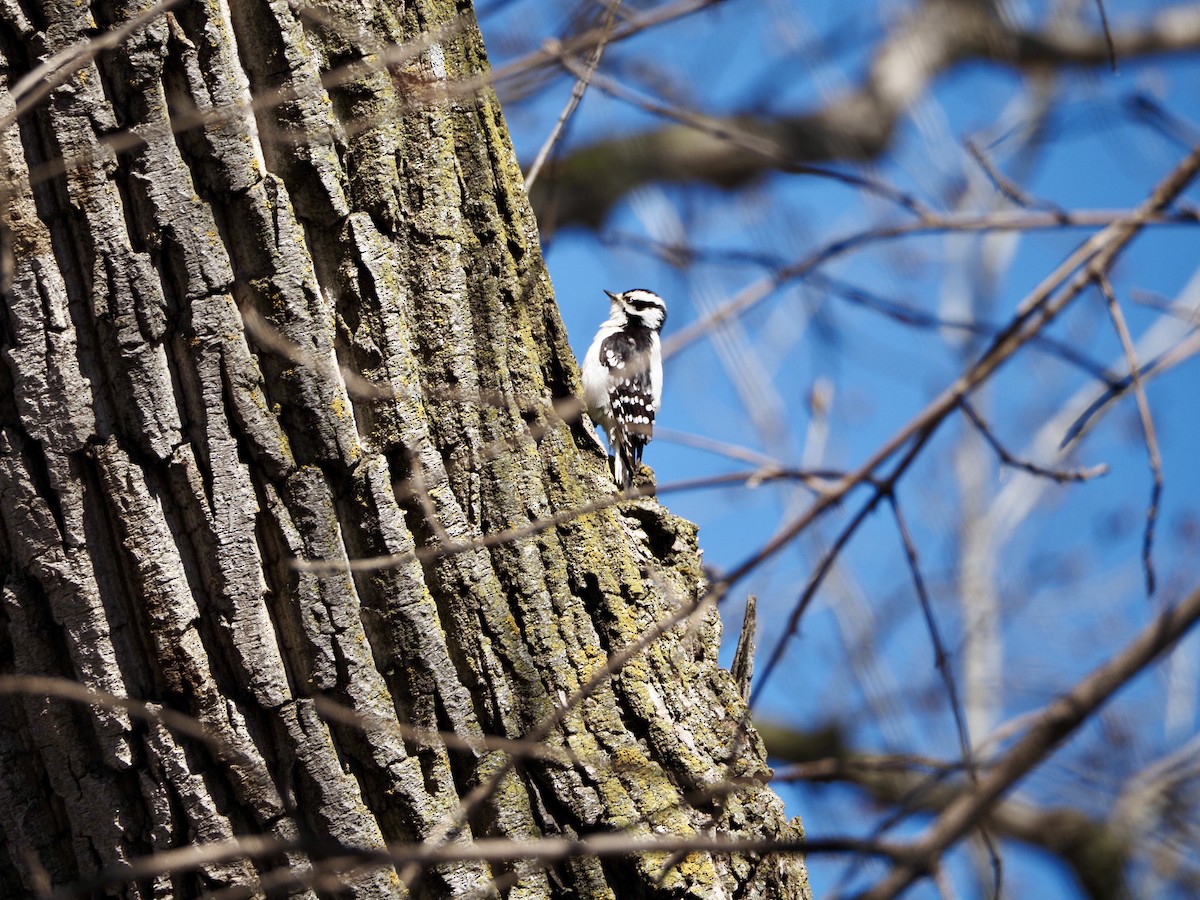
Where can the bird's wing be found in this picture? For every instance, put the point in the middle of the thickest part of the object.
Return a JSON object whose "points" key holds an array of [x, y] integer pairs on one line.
{"points": [[627, 356]]}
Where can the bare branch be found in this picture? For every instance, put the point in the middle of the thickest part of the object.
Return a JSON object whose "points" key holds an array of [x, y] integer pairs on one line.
{"points": [[580, 43], [1034, 313], [1046, 731], [882, 489], [1094, 849], [1005, 186], [754, 294], [941, 661], [743, 135]]}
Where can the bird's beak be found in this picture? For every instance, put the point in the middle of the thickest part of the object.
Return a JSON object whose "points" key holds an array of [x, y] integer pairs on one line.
{"points": [[611, 296]]}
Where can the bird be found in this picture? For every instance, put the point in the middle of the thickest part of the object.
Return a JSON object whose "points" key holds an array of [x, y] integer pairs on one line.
{"points": [[622, 377]]}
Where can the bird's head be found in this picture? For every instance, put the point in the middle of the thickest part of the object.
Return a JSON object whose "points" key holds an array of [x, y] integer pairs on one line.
{"points": [[641, 305]]}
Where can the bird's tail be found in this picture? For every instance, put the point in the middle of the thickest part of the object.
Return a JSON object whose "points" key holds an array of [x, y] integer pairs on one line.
{"points": [[627, 459]]}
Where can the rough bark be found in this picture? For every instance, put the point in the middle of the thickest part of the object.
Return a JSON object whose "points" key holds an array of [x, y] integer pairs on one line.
{"points": [[161, 467]]}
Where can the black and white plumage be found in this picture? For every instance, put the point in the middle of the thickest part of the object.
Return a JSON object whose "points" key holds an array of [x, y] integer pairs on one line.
{"points": [[622, 377]]}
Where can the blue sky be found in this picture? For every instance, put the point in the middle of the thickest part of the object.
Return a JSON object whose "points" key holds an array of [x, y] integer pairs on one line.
{"points": [[1069, 575]]}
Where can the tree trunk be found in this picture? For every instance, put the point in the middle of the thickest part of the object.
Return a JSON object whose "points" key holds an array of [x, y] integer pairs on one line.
{"points": [[189, 274]]}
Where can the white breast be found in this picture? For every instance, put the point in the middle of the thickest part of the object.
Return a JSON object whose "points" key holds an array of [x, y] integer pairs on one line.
{"points": [[595, 382]]}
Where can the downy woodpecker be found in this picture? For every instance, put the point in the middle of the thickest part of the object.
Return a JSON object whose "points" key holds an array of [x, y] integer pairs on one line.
{"points": [[622, 377]]}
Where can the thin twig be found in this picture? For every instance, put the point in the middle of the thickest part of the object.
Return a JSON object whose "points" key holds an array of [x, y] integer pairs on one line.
{"points": [[1149, 434], [497, 538], [55, 71], [720, 448], [1188, 314], [1006, 187], [844, 768], [815, 580], [1062, 476], [654, 17], [389, 57], [1108, 38], [1147, 110], [762, 145], [171, 719], [269, 337], [487, 850], [680, 255], [941, 661], [334, 711], [581, 84], [1182, 351], [882, 489], [416, 485]]}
